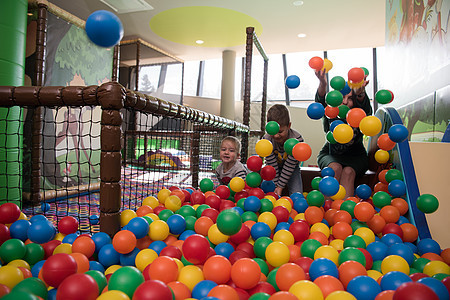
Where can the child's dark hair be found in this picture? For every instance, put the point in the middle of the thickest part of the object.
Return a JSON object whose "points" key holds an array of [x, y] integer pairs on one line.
{"points": [[280, 114]]}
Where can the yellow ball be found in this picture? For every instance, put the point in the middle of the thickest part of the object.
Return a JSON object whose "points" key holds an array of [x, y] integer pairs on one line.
{"points": [[159, 230], [340, 295], [394, 263], [113, 295], [337, 244], [271, 198], [327, 65], [306, 290], [263, 148], [173, 202], [321, 227], [329, 252], [163, 194], [340, 194], [19, 263], [126, 216], [283, 202], [10, 276], [343, 133], [370, 125], [237, 184], [277, 254], [179, 263], [299, 216], [381, 156], [374, 274], [144, 258], [268, 218], [59, 236], [436, 267], [150, 201], [190, 275], [366, 234], [63, 248], [112, 269], [23, 216], [152, 216], [284, 236], [215, 236]]}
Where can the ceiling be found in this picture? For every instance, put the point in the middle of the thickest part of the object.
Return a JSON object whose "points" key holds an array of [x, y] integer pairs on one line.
{"points": [[175, 25]]}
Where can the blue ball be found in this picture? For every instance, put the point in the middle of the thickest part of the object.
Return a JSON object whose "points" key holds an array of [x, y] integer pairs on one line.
{"points": [[37, 268], [403, 251], [412, 247], [45, 206], [398, 133], [268, 186], [129, 259], [224, 249], [397, 188], [392, 280], [260, 229], [363, 287], [300, 205], [139, 226], [202, 289], [346, 89], [282, 226], [252, 203], [176, 223], [70, 238], [363, 191], [104, 28], [186, 234], [100, 239], [108, 256], [390, 239], [94, 219], [292, 81], [51, 295], [238, 209], [19, 229], [95, 265], [41, 232], [157, 246], [334, 124], [297, 195], [428, 245], [322, 266], [437, 286], [378, 250], [327, 171], [315, 111], [36, 218], [329, 186], [402, 220]]}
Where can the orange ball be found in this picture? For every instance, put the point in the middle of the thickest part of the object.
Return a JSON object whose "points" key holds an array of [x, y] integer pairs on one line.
{"points": [[283, 295], [382, 176], [385, 295], [163, 268], [390, 213], [342, 216], [224, 292], [202, 225], [445, 254], [336, 204], [376, 224], [385, 143], [331, 112], [143, 243], [341, 230], [316, 63], [218, 269], [328, 284], [288, 274], [82, 262], [329, 216], [364, 211], [349, 270], [354, 116], [380, 187], [123, 241], [143, 210], [179, 194], [294, 252], [401, 205], [410, 232], [84, 244], [180, 290], [245, 273], [319, 236], [314, 214], [356, 74], [432, 256], [301, 151]]}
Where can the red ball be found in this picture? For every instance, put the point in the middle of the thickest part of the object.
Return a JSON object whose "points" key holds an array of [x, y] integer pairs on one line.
{"points": [[369, 259], [211, 213], [300, 230], [158, 209], [417, 276], [4, 233], [9, 213], [78, 286], [256, 192], [223, 191], [225, 204], [268, 172], [237, 255], [57, 268], [246, 247], [171, 251], [152, 290], [241, 236], [187, 195], [282, 213], [304, 262], [240, 195], [254, 163], [262, 287], [198, 197], [414, 291], [213, 201], [393, 228], [196, 249], [49, 247]]}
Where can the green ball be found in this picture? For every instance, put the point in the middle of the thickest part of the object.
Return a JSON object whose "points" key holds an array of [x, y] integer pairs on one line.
{"points": [[261, 245], [330, 138], [381, 199], [272, 127], [309, 247], [315, 182], [206, 185], [439, 276], [229, 222], [377, 265], [337, 82], [315, 198], [259, 296], [427, 203], [352, 253], [99, 277], [148, 219], [165, 214], [358, 224], [354, 241], [185, 261], [289, 144], [126, 279], [186, 211], [240, 203], [420, 263], [343, 110], [334, 98], [190, 222], [33, 286], [253, 179], [33, 253], [249, 216], [348, 206], [366, 72], [271, 278], [393, 174], [266, 205], [383, 96], [262, 265], [15, 295], [12, 249], [200, 209]]}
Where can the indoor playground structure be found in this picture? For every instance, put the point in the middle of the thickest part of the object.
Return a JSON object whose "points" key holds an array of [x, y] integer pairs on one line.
{"points": [[109, 193]]}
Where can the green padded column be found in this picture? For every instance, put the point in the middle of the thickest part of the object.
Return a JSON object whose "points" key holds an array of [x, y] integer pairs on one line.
{"points": [[13, 28]]}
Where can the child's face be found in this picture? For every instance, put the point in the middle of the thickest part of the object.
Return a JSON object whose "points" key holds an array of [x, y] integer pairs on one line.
{"points": [[228, 152], [282, 135]]}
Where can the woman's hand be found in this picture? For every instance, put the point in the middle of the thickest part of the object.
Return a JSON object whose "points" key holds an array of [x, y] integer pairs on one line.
{"points": [[322, 89]]}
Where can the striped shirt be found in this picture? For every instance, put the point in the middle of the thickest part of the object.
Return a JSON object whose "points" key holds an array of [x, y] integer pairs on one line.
{"points": [[283, 163], [237, 170]]}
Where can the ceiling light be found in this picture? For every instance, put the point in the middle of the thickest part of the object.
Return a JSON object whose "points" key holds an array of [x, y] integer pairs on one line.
{"points": [[127, 6], [199, 42], [301, 35], [297, 3]]}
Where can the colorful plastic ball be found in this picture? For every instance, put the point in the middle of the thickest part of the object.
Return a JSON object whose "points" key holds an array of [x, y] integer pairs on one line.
{"points": [[245, 273], [41, 232], [78, 286], [328, 284], [403, 251], [393, 174], [94, 219], [328, 186], [322, 266], [414, 291], [377, 250], [427, 203], [356, 74], [330, 138], [10, 276], [218, 269], [277, 254], [163, 268], [19, 229], [58, 267], [263, 147], [394, 263], [327, 65], [289, 145], [305, 289], [176, 223], [370, 125], [327, 171], [201, 289], [385, 143], [346, 89], [45, 207], [9, 213], [337, 82], [229, 221], [316, 198], [196, 248], [260, 229], [292, 81], [68, 225], [104, 28], [237, 184], [206, 184], [331, 112], [254, 163], [301, 151], [354, 116], [393, 279], [398, 133], [32, 286], [397, 188], [314, 214], [173, 203], [363, 191], [309, 247], [272, 127], [352, 254], [334, 98], [436, 267], [335, 123], [316, 63], [343, 110], [381, 156], [363, 287], [349, 270], [126, 279], [227, 292], [315, 111], [288, 274], [343, 133], [381, 199], [153, 290], [383, 96], [428, 245]]}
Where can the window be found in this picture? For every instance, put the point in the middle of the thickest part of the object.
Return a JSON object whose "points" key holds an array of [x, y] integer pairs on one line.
{"points": [[212, 79], [172, 83], [191, 78], [149, 78]]}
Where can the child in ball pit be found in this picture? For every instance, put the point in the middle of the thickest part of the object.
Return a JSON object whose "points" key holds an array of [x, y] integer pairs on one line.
{"points": [[230, 166]]}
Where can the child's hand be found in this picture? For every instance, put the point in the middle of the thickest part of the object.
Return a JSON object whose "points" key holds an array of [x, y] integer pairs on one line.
{"points": [[278, 191]]}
